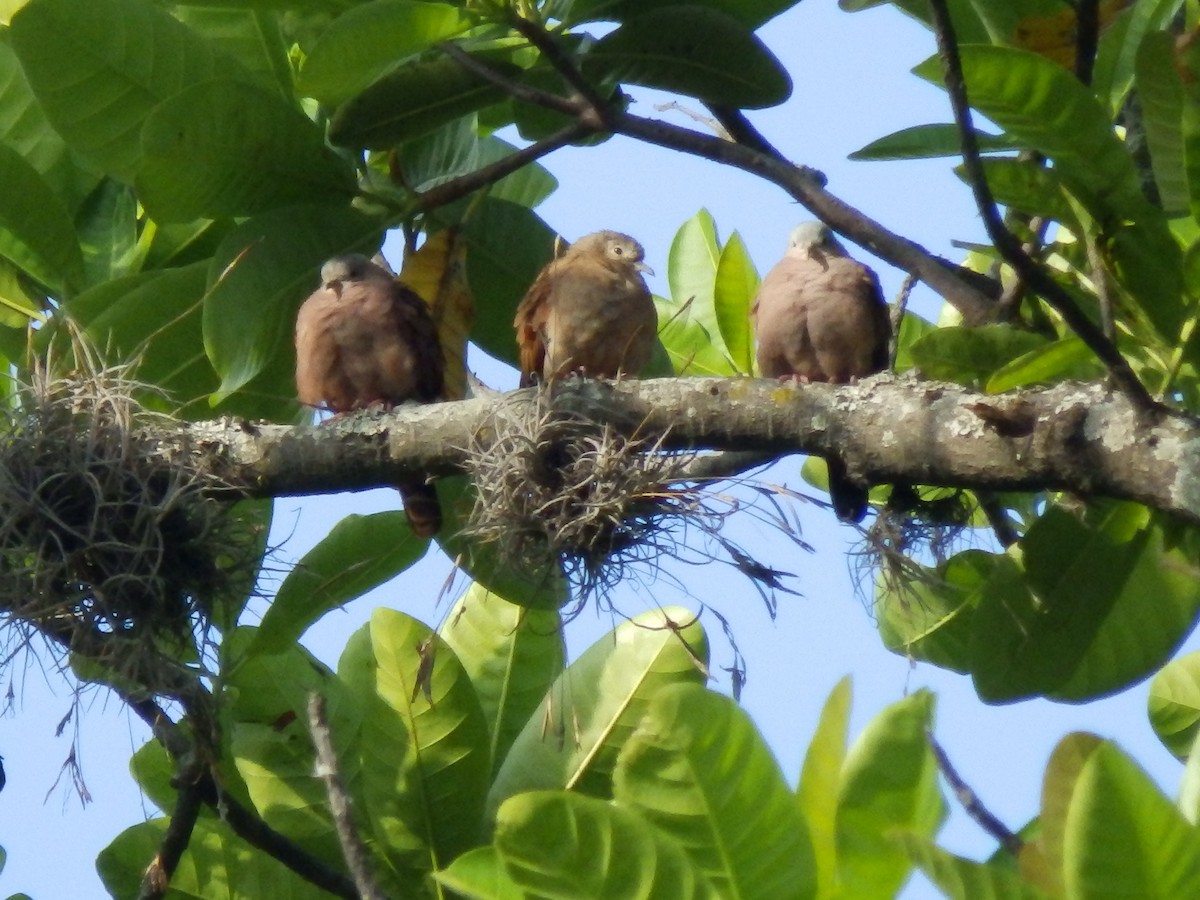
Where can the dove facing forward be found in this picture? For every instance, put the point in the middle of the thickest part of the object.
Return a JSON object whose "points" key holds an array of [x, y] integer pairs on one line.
{"points": [[819, 316], [588, 311], [364, 339]]}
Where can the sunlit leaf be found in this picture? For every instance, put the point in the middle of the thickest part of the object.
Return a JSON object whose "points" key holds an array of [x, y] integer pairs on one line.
{"points": [[1175, 704]]}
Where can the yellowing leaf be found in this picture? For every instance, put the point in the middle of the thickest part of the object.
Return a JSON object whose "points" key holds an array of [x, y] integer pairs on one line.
{"points": [[438, 274], [1054, 36]]}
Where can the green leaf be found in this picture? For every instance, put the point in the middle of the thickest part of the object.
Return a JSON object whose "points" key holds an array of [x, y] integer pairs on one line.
{"points": [[414, 99], [36, 231], [154, 316], [359, 553], [688, 325], [1104, 603], [99, 68], [1175, 704], [820, 778], [965, 879], [573, 738], [511, 654], [1058, 789], [446, 770], [1029, 187], [108, 233], [1160, 91], [697, 769], [479, 874], [556, 844], [254, 37], [153, 770], [733, 293], [928, 142], [751, 13], [889, 783], [692, 50], [365, 41], [226, 148], [216, 864], [968, 24], [1117, 804], [507, 246], [1040, 103], [931, 618], [1121, 41], [1053, 362], [25, 128], [258, 277], [970, 355]]}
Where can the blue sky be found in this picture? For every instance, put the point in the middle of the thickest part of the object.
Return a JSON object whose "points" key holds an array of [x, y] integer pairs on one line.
{"points": [[852, 84]]}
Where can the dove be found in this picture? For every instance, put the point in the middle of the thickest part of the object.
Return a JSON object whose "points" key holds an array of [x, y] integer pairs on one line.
{"points": [[363, 339], [819, 316], [589, 311]]}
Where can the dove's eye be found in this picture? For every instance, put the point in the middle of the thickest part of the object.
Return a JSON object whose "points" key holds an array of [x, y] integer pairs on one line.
{"points": [[619, 251]]}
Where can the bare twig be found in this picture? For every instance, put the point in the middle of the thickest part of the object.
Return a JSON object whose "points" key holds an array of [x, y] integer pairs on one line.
{"points": [[970, 800], [896, 316], [1004, 240], [353, 848], [188, 800]]}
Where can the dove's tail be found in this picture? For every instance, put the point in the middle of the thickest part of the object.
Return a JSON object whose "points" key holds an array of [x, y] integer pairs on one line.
{"points": [[422, 507]]}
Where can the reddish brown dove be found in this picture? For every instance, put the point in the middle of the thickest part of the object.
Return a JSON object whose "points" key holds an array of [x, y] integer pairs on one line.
{"points": [[820, 316], [364, 339], [588, 311]]}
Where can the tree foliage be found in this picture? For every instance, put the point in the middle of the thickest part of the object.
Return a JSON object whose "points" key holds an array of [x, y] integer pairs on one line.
{"points": [[173, 175]]}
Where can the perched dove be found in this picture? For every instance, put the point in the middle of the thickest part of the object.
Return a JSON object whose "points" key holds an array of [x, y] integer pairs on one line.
{"points": [[588, 311], [819, 316], [364, 339]]}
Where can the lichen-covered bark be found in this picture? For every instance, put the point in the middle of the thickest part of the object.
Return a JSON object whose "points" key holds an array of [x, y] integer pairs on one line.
{"points": [[1084, 438]]}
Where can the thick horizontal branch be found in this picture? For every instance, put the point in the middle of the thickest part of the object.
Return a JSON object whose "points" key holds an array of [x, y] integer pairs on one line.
{"points": [[1085, 438]]}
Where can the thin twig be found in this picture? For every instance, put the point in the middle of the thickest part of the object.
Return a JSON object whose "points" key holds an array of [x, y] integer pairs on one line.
{"points": [[564, 65], [734, 121], [188, 800], [896, 316], [1004, 240], [353, 848], [970, 800], [1002, 526]]}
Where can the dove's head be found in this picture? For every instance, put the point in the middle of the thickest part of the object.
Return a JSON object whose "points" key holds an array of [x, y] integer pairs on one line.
{"points": [[615, 247], [812, 238]]}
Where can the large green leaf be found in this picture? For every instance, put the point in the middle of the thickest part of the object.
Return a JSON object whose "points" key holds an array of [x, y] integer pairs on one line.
{"points": [[479, 874], [227, 148], [507, 245], [414, 99], [820, 782], [36, 231], [556, 844], [1116, 804], [697, 768], [25, 128], [1160, 91], [216, 864], [447, 767], [154, 317], [512, 655], [970, 355], [258, 277], [692, 50], [365, 41], [1029, 187], [253, 36], [1105, 602], [573, 738], [733, 293], [965, 879], [931, 617], [1053, 362], [99, 68], [107, 225], [1175, 704], [689, 326], [359, 553], [889, 783]]}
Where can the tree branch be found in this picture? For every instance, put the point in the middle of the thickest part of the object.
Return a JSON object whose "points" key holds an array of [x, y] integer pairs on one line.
{"points": [[1004, 240], [188, 800], [1084, 438], [970, 800]]}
